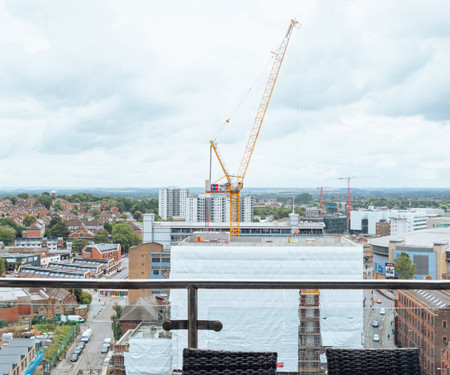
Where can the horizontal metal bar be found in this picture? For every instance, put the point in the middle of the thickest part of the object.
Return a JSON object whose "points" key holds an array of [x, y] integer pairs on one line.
{"points": [[224, 284], [213, 325]]}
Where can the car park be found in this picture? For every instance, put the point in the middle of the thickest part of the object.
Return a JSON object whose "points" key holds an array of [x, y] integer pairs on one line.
{"points": [[375, 323], [376, 338], [74, 357], [382, 311]]}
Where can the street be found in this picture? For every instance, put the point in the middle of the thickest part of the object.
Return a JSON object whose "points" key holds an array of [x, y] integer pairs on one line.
{"points": [[99, 320], [385, 321]]}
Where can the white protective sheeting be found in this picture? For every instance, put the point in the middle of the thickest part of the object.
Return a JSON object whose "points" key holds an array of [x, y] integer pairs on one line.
{"points": [[148, 357], [267, 320]]}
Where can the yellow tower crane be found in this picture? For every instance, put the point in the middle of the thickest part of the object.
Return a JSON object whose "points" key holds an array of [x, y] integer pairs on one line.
{"points": [[235, 183]]}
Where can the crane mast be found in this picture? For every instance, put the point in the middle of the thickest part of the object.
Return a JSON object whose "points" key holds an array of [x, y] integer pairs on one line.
{"points": [[235, 183]]}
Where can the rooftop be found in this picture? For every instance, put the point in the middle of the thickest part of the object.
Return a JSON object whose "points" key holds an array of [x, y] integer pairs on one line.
{"points": [[424, 238], [434, 298]]}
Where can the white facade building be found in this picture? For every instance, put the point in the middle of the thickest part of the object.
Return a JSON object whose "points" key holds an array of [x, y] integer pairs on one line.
{"points": [[402, 221], [218, 207], [172, 202]]}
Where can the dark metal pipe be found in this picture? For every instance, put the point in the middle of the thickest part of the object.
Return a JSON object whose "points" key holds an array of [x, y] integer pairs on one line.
{"points": [[224, 284], [192, 317]]}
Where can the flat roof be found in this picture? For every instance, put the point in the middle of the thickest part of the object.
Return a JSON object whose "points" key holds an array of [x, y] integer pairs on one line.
{"points": [[422, 238], [301, 241]]}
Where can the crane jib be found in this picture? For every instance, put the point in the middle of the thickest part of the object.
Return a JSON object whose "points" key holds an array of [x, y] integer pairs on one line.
{"points": [[236, 182]]}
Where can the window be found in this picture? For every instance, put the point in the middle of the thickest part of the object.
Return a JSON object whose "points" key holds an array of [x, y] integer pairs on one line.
{"points": [[444, 324], [155, 272], [444, 339]]}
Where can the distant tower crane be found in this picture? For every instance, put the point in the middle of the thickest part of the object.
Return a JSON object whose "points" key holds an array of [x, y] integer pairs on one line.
{"points": [[348, 178], [235, 183], [321, 195]]}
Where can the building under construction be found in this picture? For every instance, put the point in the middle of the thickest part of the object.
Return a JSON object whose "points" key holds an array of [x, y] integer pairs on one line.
{"points": [[309, 338]]}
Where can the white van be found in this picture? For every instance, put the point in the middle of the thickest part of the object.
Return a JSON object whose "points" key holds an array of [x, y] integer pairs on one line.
{"points": [[75, 318], [86, 335]]}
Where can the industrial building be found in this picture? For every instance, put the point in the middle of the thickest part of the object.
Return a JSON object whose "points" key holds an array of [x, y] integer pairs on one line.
{"points": [[171, 233], [428, 249]]}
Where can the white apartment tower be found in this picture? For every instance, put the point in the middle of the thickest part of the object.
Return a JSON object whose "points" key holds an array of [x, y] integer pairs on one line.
{"points": [[218, 208], [172, 202]]}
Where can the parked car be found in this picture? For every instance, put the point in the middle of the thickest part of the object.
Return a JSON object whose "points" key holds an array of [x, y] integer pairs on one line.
{"points": [[382, 311], [105, 348], [376, 338], [379, 300], [81, 344], [86, 335], [74, 357], [375, 323], [77, 350], [107, 342]]}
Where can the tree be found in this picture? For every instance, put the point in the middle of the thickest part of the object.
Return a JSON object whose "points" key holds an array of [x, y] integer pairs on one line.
{"points": [[96, 214], [85, 298], [13, 200], [58, 206], [115, 322], [74, 210], [59, 230], [2, 266], [78, 244], [404, 266], [18, 228], [3, 323], [7, 234], [123, 234], [45, 200], [108, 227], [123, 216], [23, 195], [101, 238], [28, 220], [137, 215]]}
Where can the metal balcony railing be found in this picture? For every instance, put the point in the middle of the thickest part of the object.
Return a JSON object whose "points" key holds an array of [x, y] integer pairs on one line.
{"points": [[192, 287]]}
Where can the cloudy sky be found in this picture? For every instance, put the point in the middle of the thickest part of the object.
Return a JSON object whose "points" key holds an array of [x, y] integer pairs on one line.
{"points": [[118, 94]]}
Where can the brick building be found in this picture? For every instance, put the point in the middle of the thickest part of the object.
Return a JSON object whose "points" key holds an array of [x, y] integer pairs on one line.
{"points": [[422, 320], [36, 229], [15, 359], [383, 228], [82, 232], [445, 361], [140, 258], [102, 251]]}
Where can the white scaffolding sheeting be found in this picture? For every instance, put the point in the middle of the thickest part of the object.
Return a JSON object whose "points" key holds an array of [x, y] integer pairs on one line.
{"points": [[148, 357], [267, 320]]}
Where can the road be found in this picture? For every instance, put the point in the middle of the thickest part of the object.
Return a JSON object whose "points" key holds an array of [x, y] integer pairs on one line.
{"points": [[385, 321], [99, 320]]}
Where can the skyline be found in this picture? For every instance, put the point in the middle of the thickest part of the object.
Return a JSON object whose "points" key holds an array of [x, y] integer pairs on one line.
{"points": [[112, 95]]}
